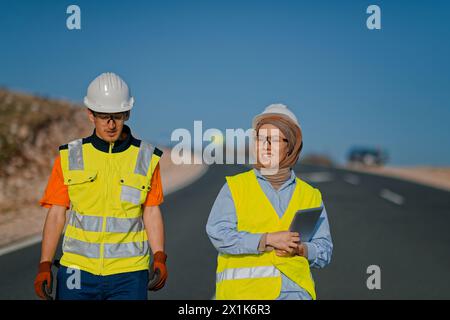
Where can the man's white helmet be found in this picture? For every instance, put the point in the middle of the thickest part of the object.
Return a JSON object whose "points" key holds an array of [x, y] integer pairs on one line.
{"points": [[277, 109], [108, 93]]}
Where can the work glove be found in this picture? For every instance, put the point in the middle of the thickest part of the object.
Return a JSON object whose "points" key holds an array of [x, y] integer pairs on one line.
{"points": [[159, 271], [43, 284]]}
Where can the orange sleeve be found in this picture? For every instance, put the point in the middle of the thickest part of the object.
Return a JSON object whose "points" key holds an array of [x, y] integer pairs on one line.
{"points": [[56, 192], [155, 196]]}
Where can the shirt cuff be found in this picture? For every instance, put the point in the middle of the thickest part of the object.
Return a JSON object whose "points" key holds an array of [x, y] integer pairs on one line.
{"points": [[312, 251], [262, 243], [251, 242], [48, 205]]}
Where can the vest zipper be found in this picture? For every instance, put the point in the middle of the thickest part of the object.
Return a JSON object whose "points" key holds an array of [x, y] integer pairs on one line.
{"points": [[107, 179]]}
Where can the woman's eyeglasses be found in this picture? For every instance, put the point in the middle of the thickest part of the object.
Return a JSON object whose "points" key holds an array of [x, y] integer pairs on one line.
{"points": [[275, 139]]}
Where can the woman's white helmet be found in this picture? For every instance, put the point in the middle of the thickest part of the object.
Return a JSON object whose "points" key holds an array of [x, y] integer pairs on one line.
{"points": [[278, 109], [108, 93]]}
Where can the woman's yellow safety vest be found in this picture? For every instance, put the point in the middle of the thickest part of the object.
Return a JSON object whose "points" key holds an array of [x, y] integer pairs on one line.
{"points": [[258, 276], [107, 185]]}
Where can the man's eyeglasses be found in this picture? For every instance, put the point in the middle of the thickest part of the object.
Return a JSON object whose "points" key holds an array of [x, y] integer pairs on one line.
{"points": [[119, 116], [275, 139]]}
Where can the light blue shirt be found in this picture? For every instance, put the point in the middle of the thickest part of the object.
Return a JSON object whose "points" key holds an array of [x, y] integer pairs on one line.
{"points": [[222, 231]]}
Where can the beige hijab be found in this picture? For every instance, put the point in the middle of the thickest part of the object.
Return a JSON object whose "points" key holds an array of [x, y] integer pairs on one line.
{"points": [[295, 143]]}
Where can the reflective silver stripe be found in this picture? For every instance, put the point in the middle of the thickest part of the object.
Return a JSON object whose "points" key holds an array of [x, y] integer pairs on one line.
{"points": [[94, 223], [144, 157], [247, 273], [126, 250], [87, 223], [90, 250], [76, 155], [130, 194], [124, 224]]}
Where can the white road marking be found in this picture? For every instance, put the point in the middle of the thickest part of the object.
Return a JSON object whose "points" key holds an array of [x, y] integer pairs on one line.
{"points": [[392, 196], [318, 176], [352, 179], [20, 245]]}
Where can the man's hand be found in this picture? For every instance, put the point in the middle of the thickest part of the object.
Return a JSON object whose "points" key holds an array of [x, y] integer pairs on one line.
{"points": [[44, 281], [283, 240], [300, 250], [159, 270], [154, 227], [53, 228]]}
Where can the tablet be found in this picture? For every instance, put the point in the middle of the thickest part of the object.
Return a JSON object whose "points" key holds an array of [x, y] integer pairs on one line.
{"points": [[305, 223]]}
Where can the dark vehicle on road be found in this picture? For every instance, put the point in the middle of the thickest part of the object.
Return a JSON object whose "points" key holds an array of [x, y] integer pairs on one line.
{"points": [[368, 156]]}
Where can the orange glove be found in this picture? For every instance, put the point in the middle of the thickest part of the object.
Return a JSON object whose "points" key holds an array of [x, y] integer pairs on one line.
{"points": [[44, 281], [160, 271]]}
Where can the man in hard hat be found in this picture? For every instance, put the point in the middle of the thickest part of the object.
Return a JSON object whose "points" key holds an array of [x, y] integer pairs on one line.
{"points": [[111, 183], [259, 258]]}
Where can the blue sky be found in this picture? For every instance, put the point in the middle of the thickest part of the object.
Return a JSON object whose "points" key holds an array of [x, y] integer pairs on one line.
{"points": [[223, 61]]}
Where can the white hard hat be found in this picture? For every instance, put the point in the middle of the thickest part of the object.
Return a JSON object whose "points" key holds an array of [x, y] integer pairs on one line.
{"points": [[277, 109], [108, 93]]}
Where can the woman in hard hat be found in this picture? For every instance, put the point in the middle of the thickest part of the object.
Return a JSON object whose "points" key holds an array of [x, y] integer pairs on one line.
{"points": [[249, 221]]}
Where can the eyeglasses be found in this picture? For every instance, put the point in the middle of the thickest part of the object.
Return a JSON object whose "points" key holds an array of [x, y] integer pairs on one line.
{"points": [[275, 139], [119, 116]]}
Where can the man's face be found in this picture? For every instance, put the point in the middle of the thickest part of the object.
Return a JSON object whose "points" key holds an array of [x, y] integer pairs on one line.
{"points": [[108, 126]]}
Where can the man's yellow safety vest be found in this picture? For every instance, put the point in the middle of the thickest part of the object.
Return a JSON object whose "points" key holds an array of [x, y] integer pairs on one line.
{"points": [[107, 185], [258, 276]]}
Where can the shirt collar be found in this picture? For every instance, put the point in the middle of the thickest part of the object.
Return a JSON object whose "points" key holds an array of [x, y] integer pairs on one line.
{"points": [[292, 178], [119, 145]]}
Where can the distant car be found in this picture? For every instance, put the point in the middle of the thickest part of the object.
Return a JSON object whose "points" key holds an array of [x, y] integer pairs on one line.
{"points": [[368, 156]]}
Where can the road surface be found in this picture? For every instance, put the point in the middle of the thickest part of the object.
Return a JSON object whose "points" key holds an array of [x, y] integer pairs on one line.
{"points": [[400, 226]]}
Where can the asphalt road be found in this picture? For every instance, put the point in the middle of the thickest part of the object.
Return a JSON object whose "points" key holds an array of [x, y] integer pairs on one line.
{"points": [[401, 227]]}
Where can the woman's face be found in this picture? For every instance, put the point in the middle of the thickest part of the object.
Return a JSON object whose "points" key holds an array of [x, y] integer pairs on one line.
{"points": [[271, 145]]}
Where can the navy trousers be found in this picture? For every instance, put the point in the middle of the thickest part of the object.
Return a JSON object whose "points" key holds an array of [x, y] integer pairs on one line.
{"points": [[81, 285]]}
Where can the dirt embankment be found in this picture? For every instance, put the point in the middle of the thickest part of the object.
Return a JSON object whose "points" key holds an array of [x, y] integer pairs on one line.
{"points": [[31, 129]]}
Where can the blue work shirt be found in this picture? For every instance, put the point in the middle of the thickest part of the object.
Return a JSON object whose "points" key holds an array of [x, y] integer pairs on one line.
{"points": [[222, 231]]}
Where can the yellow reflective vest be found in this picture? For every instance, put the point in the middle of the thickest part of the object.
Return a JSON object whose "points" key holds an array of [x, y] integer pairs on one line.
{"points": [[107, 185], [258, 276]]}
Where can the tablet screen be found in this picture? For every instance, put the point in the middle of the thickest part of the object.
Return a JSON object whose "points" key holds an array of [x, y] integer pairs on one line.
{"points": [[305, 223]]}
